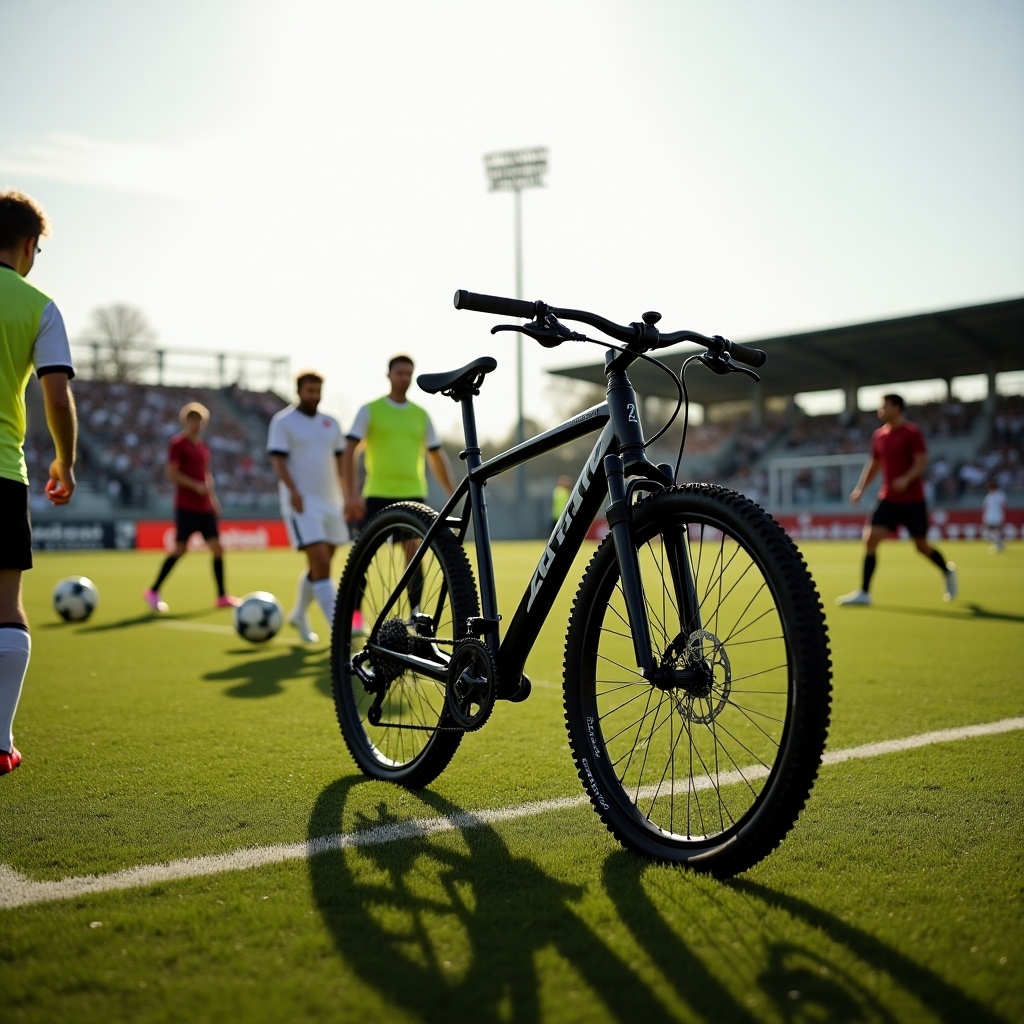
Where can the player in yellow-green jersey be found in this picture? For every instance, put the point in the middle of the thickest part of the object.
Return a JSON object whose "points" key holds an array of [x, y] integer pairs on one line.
{"points": [[397, 438], [32, 335]]}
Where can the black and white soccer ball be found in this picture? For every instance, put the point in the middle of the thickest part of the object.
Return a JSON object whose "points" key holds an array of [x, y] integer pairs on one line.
{"points": [[75, 598], [258, 617]]}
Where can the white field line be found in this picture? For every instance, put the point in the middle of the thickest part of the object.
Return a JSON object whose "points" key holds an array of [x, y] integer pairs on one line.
{"points": [[16, 890]]}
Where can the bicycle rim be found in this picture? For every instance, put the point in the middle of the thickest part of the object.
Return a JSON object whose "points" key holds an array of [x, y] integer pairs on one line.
{"points": [[413, 739], [713, 767]]}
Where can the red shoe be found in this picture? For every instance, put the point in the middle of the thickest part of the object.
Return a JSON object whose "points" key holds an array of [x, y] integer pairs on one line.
{"points": [[9, 761], [227, 601], [152, 598]]}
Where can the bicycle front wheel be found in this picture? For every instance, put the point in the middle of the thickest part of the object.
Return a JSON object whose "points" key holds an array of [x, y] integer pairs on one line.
{"points": [[709, 763], [393, 718]]}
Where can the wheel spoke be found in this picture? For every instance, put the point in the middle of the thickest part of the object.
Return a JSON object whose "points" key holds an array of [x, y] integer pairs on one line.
{"points": [[676, 763], [412, 739]]}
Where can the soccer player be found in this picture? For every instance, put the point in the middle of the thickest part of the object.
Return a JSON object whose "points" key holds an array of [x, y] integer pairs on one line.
{"points": [[32, 333], [305, 447], [898, 450], [196, 507], [993, 514], [395, 435], [560, 497]]}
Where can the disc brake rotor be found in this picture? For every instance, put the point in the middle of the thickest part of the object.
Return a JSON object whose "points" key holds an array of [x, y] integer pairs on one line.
{"points": [[705, 649]]}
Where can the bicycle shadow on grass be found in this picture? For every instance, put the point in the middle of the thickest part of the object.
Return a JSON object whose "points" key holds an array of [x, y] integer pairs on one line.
{"points": [[792, 970], [827, 991], [254, 675], [454, 926]]}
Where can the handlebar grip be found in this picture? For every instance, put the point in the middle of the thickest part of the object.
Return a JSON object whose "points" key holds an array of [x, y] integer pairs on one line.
{"points": [[749, 356], [495, 304]]}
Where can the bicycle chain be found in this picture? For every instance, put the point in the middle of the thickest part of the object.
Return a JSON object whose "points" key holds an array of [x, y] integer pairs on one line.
{"points": [[438, 642]]}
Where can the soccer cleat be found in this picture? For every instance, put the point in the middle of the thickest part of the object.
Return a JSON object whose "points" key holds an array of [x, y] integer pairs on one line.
{"points": [[357, 623], [951, 588], [152, 598], [301, 624], [857, 597], [9, 760], [227, 601]]}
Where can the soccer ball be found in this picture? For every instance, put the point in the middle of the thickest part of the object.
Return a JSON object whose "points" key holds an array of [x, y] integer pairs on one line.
{"points": [[258, 617], [75, 598]]}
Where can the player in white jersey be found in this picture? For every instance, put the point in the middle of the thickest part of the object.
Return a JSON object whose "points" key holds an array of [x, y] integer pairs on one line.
{"points": [[993, 514], [305, 448]]}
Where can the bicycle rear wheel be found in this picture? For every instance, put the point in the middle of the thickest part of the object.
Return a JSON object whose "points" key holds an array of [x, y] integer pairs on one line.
{"points": [[710, 763], [393, 718]]}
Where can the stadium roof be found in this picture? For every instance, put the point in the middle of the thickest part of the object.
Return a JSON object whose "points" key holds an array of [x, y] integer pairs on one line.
{"points": [[927, 346]]}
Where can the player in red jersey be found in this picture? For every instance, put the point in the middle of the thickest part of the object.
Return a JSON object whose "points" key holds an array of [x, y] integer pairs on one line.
{"points": [[898, 450], [195, 503]]}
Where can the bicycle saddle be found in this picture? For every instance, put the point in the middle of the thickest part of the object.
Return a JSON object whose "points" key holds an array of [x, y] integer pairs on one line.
{"points": [[469, 376]]}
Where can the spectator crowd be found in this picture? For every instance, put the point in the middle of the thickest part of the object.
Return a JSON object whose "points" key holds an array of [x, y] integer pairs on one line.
{"points": [[125, 429]]}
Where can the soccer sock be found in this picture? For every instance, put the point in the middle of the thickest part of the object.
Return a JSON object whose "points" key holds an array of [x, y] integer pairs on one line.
{"points": [[303, 594], [869, 571], [323, 591], [218, 575], [165, 571], [15, 648], [938, 559]]}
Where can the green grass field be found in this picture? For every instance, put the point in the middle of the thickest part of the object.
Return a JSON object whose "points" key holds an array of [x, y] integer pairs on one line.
{"points": [[149, 742]]}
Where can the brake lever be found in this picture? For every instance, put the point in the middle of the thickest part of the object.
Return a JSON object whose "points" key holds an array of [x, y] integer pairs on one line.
{"points": [[722, 363], [550, 333]]}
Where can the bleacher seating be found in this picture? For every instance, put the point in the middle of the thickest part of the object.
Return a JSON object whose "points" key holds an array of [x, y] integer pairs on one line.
{"points": [[124, 431], [967, 447]]}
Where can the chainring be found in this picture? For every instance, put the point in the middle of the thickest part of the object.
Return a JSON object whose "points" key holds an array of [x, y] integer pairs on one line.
{"points": [[472, 684]]}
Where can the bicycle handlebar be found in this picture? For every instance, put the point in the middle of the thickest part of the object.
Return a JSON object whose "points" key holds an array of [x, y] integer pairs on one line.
{"points": [[495, 304], [747, 355], [639, 336]]}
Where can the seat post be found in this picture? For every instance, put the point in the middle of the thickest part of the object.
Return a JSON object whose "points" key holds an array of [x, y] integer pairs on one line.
{"points": [[471, 455], [481, 527]]}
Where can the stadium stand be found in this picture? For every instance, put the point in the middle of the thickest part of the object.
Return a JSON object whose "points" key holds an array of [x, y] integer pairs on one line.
{"points": [[124, 431], [125, 427]]}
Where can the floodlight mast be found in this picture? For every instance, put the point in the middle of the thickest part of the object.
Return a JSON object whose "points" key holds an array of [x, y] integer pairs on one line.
{"points": [[512, 170]]}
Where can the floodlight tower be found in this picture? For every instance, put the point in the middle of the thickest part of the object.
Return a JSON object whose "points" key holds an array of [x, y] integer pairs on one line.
{"points": [[512, 170]]}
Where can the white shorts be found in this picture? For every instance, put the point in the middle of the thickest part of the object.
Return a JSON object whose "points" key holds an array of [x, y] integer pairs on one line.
{"points": [[319, 521]]}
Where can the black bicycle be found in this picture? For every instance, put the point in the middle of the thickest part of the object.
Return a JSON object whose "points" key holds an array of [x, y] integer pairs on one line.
{"points": [[697, 674]]}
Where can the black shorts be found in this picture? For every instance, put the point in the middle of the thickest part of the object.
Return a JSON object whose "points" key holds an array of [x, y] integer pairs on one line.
{"points": [[894, 514], [189, 522], [15, 525]]}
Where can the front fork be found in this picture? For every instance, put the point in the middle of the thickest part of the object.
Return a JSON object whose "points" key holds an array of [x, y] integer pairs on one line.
{"points": [[677, 558]]}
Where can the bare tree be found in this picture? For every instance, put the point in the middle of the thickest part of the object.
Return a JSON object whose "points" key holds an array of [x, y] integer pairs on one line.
{"points": [[122, 342]]}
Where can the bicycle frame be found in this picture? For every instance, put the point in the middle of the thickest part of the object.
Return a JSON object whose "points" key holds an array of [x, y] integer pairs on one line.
{"points": [[617, 452]]}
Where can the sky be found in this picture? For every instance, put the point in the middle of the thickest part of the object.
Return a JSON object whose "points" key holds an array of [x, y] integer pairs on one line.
{"points": [[306, 179]]}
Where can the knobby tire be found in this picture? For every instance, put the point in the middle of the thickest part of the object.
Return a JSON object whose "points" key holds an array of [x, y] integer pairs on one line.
{"points": [[711, 768], [416, 738]]}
